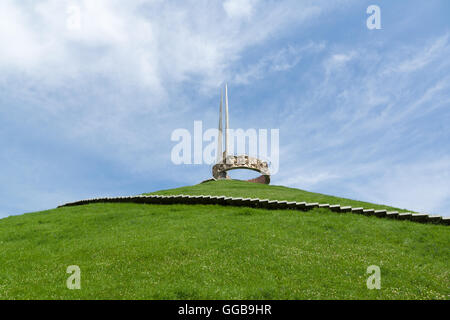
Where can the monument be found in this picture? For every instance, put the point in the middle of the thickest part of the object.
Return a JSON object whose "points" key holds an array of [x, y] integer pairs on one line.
{"points": [[226, 161]]}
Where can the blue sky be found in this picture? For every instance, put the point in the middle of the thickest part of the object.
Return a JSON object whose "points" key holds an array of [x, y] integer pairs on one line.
{"points": [[89, 112]]}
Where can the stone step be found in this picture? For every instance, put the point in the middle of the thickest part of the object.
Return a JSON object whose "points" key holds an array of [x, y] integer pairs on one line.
{"points": [[309, 206], [434, 219], [392, 214], [404, 216], [335, 207], [421, 217], [380, 213], [368, 212]]}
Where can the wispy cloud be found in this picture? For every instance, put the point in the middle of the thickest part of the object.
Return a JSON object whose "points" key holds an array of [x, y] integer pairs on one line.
{"points": [[239, 8], [421, 185], [279, 61], [145, 43], [371, 136]]}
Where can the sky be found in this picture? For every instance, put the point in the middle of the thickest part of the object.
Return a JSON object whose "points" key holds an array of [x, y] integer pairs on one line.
{"points": [[91, 91]]}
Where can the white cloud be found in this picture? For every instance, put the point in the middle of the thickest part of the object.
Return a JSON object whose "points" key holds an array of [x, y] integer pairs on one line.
{"points": [[239, 8], [425, 56], [338, 61], [148, 43], [421, 186], [281, 60], [306, 179]]}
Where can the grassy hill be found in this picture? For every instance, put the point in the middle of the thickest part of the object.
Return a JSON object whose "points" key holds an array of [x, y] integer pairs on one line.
{"points": [[141, 251]]}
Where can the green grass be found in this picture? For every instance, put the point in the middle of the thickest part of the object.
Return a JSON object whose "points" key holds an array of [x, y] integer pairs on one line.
{"points": [[138, 251], [234, 188]]}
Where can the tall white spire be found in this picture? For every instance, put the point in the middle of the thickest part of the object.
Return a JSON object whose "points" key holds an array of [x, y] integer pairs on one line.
{"points": [[226, 121], [220, 137]]}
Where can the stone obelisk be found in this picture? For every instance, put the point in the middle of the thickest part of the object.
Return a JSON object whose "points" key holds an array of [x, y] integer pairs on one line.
{"points": [[226, 123], [220, 137]]}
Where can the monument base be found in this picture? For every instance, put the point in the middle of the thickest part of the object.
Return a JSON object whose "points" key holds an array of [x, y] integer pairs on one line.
{"points": [[220, 169]]}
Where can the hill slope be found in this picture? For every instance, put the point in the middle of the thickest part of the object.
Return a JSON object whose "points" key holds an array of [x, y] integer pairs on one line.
{"points": [[234, 188], [206, 251]]}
